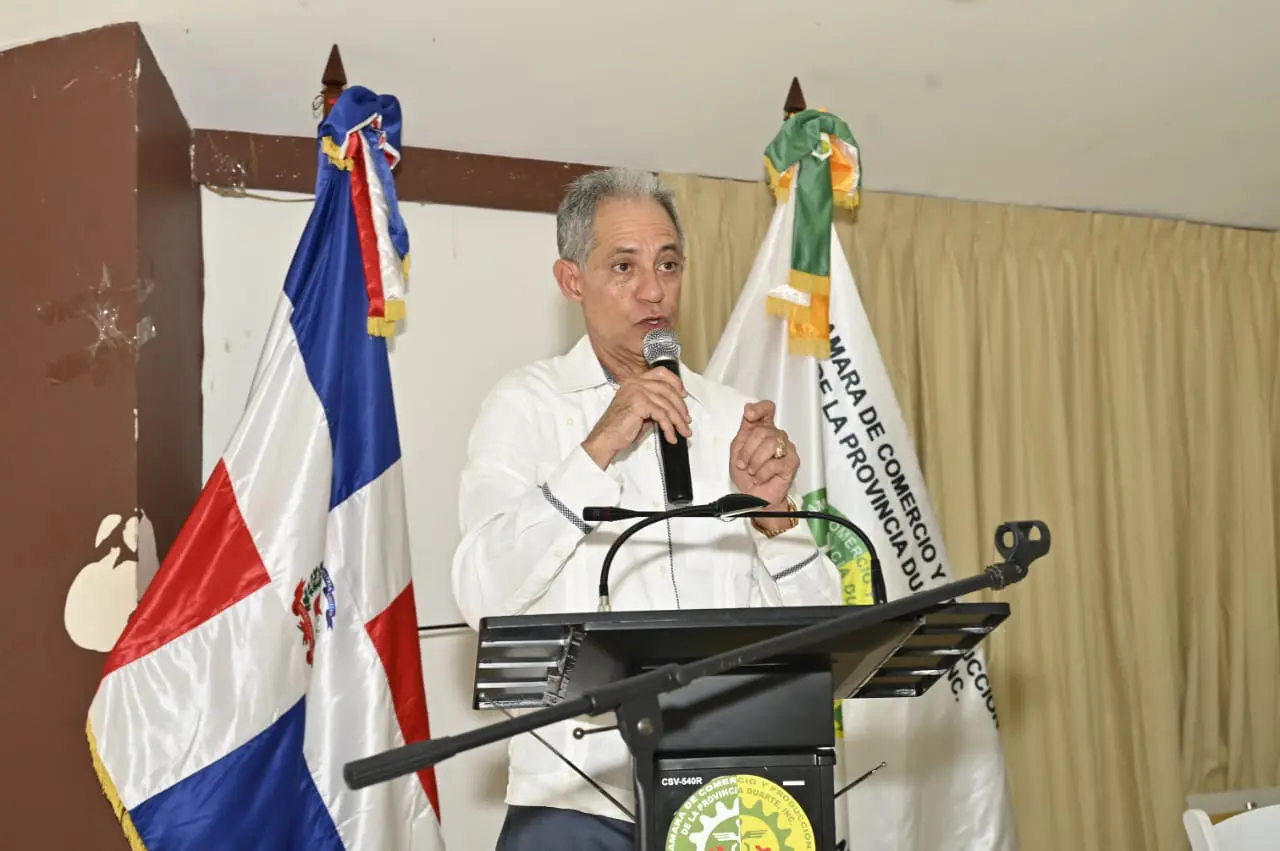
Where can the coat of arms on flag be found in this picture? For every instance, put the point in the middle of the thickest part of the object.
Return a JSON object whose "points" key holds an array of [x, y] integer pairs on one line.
{"points": [[279, 640]]}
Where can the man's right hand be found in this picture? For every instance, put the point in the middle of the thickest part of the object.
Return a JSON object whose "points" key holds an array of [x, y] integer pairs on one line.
{"points": [[655, 396]]}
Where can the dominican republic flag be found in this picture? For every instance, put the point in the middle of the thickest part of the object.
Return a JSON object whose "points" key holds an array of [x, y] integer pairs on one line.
{"points": [[279, 639]]}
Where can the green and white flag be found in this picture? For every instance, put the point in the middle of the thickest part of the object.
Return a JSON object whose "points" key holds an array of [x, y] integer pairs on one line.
{"points": [[800, 336]]}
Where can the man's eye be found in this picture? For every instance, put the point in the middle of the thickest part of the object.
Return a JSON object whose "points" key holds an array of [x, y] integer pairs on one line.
{"points": [[622, 268], [669, 266]]}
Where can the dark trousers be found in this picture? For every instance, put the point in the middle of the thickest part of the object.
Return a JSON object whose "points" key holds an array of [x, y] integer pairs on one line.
{"points": [[549, 829]]}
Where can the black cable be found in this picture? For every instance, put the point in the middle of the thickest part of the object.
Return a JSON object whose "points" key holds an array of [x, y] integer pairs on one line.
{"points": [[579, 771], [440, 627], [860, 779], [422, 630]]}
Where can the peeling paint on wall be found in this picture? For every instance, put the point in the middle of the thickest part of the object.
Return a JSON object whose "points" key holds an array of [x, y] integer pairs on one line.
{"points": [[99, 305], [106, 590]]}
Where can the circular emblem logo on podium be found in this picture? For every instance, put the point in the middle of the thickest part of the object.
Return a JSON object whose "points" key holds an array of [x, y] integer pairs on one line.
{"points": [[740, 812]]}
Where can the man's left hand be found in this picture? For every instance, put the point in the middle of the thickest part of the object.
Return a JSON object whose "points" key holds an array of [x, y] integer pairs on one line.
{"points": [[763, 461]]}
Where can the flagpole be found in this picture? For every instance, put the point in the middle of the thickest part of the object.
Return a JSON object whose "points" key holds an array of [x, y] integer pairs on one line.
{"points": [[795, 100], [794, 103], [333, 82]]}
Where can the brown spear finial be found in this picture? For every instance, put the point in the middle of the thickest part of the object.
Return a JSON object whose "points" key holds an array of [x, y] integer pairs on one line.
{"points": [[334, 80], [795, 99]]}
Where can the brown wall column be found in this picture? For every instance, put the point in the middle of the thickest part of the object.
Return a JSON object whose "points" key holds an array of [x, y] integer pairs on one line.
{"points": [[100, 357]]}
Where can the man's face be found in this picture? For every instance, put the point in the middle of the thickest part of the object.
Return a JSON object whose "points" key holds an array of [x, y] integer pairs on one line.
{"points": [[631, 283]]}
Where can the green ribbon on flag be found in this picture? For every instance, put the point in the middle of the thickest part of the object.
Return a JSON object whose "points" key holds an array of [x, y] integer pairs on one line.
{"points": [[827, 174]]}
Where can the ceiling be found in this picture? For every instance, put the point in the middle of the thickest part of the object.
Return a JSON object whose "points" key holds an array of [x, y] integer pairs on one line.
{"points": [[1162, 107]]}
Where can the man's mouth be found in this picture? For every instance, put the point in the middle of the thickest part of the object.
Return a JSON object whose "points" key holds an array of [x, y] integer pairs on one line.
{"points": [[654, 321]]}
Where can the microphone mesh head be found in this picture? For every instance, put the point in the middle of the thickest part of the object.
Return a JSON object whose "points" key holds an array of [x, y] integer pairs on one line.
{"points": [[661, 344]]}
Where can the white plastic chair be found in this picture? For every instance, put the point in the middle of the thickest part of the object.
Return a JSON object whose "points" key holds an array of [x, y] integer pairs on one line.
{"points": [[1252, 830]]}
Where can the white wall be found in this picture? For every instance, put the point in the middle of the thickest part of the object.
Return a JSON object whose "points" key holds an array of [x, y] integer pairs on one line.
{"points": [[1166, 83], [481, 301]]}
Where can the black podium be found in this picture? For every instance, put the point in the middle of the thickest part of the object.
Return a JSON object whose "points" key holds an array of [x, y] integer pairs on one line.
{"points": [[749, 750], [727, 714]]}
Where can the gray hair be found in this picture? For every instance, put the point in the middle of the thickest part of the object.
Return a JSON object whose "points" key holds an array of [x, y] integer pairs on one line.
{"points": [[576, 217]]}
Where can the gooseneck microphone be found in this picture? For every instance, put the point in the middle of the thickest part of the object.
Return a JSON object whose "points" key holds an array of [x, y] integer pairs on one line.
{"points": [[662, 349], [728, 507]]}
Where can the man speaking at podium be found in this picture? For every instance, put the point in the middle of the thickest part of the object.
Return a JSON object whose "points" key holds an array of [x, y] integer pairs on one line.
{"points": [[582, 430]]}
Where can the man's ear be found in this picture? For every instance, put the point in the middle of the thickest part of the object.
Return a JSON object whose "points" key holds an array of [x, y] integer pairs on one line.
{"points": [[569, 277]]}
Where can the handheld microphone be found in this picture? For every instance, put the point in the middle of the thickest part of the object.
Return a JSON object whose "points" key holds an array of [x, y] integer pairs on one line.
{"points": [[662, 349]]}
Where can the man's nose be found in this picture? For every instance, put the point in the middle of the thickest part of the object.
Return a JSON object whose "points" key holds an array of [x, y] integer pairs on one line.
{"points": [[649, 288]]}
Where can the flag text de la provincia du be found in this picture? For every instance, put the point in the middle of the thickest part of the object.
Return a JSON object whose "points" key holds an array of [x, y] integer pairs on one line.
{"points": [[851, 417]]}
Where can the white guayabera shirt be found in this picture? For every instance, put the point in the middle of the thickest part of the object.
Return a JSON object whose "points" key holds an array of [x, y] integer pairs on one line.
{"points": [[526, 549]]}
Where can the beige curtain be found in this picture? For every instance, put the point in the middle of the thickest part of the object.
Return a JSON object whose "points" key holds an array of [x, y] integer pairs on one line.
{"points": [[1119, 378]]}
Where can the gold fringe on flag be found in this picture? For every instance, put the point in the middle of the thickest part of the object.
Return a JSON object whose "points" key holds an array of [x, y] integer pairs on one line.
{"points": [[381, 326], [393, 308], [335, 154], [113, 797]]}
